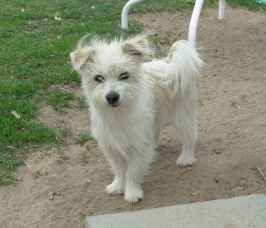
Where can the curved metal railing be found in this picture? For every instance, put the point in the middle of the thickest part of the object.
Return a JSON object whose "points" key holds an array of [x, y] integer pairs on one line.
{"points": [[192, 34]]}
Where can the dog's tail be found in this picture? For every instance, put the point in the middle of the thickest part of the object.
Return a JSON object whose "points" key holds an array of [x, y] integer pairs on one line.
{"points": [[183, 69]]}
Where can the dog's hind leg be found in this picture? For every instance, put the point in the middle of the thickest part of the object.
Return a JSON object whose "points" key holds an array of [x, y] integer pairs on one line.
{"points": [[118, 165], [184, 123]]}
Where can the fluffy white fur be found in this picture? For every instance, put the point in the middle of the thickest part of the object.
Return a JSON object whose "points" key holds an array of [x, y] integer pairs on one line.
{"points": [[151, 95]]}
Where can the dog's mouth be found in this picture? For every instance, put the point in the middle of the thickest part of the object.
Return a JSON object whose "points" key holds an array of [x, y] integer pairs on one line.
{"points": [[113, 105]]}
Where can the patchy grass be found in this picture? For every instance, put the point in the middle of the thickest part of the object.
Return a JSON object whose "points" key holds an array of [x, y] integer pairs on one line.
{"points": [[59, 99], [64, 130], [83, 137], [250, 4], [84, 159], [82, 101], [62, 157], [162, 41], [200, 102], [35, 175], [88, 147]]}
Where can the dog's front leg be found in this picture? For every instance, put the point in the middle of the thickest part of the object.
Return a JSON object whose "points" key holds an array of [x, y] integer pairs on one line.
{"points": [[138, 167], [118, 165]]}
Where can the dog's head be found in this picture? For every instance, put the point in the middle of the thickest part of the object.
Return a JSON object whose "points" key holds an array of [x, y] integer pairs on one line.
{"points": [[111, 71]]}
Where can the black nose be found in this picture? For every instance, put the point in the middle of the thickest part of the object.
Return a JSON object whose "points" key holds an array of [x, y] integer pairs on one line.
{"points": [[112, 97]]}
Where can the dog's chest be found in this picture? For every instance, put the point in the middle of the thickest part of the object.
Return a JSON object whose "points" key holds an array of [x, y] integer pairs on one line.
{"points": [[121, 134]]}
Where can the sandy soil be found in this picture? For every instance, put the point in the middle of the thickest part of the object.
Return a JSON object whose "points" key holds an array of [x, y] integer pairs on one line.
{"points": [[230, 147]]}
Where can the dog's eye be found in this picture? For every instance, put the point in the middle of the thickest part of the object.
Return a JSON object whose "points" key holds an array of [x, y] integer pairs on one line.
{"points": [[99, 78], [123, 76]]}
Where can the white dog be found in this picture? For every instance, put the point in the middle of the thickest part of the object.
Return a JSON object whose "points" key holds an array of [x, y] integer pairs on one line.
{"points": [[131, 100]]}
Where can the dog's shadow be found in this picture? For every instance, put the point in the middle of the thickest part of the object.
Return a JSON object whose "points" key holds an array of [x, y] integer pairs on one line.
{"points": [[167, 153]]}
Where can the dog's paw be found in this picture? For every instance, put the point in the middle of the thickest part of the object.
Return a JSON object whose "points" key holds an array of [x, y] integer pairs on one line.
{"points": [[184, 161], [134, 196], [115, 188]]}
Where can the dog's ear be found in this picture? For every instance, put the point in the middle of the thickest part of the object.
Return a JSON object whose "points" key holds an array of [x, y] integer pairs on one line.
{"points": [[137, 47], [81, 56]]}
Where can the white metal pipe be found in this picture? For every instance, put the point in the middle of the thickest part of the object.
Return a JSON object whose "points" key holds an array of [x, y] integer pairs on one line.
{"points": [[124, 17], [192, 33], [221, 9]]}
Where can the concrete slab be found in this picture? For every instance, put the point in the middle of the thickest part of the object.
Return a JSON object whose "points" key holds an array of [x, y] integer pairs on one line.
{"points": [[238, 212]]}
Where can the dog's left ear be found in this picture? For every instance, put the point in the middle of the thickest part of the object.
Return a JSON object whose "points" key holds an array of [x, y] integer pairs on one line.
{"points": [[137, 47]]}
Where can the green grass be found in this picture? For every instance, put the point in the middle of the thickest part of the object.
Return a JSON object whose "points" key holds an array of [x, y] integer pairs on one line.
{"points": [[62, 156], [82, 101], [84, 159], [35, 56], [250, 4], [64, 130], [59, 99], [83, 137]]}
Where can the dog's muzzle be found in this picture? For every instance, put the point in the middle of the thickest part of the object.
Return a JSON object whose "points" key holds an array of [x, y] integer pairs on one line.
{"points": [[112, 98]]}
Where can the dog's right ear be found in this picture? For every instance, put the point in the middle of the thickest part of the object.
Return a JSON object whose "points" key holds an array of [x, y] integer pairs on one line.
{"points": [[81, 56], [137, 47]]}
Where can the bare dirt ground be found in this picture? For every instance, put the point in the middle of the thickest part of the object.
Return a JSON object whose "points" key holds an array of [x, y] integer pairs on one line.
{"points": [[230, 147]]}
